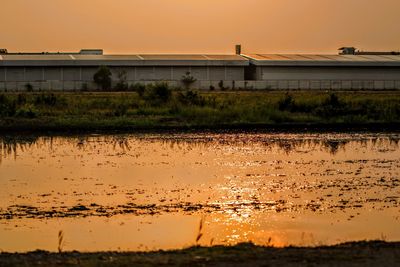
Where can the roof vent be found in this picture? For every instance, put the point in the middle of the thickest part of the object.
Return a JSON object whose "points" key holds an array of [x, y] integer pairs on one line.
{"points": [[91, 52], [347, 51]]}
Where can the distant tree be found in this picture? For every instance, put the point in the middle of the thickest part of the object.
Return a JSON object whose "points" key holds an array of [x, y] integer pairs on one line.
{"points": [[103, 78], [122, 84], [188, 80]]}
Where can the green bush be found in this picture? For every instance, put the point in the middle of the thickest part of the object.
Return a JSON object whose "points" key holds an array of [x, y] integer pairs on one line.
{"points": [[7, 106], [84, 87], [122, 84], [29, 87], [103, 78], [191, 98], [222, 86], [121, 110], [138, 88], [286, 103], [48, 99], [159, 92], [26, 111], [188, 80]]}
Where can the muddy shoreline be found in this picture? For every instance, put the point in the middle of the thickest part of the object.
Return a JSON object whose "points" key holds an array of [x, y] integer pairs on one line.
{"points": [[371, 253]]}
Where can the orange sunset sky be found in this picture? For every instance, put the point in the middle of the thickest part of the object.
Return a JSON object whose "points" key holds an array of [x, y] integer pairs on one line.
{"points": [[199, 26]]}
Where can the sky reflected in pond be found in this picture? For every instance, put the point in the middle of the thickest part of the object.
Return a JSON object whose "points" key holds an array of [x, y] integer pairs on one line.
{"points": [[150, 191]]}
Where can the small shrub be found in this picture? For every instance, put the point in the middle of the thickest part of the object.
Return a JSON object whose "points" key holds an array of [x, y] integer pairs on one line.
{"points": [[122, 84], [333, 100], [7, 107], [3, 99], [221, 85], [138, 88], [188, 80], [212, 88], [26, 111], [21, 99], [46, 99], [159, 92], [121, 110], [103, 78], [286, 103], [29, 87], [191, 98], [84, 87]]}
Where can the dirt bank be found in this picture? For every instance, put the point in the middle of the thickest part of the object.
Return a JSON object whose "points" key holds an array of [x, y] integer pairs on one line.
{"points": [[374, 253]]}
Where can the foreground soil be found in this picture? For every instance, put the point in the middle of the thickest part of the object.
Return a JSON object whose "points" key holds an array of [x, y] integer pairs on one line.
{"points": [[373, 253]]}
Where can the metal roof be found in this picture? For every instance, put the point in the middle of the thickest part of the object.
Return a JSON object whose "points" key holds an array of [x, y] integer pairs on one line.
{"points": [[122, 60], [323, 60]]}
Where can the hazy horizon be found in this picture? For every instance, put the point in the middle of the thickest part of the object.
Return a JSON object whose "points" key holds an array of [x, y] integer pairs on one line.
{"points": [[203, 26]]}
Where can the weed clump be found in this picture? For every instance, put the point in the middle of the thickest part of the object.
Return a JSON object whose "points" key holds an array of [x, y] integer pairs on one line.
{"points": [[46, 99], [158, 93], [191, 98], [26, 111], [138, 88]]}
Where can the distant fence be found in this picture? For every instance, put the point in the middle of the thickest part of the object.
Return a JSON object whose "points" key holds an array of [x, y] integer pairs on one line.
{"points": [[217, 85]]}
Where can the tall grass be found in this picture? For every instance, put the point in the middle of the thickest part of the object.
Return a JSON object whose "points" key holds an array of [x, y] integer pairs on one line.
{"points": [[158, 105]]}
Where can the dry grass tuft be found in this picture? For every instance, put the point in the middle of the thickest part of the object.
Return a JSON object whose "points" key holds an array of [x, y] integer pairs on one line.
{"points": [[200, 231], [61, 241]]}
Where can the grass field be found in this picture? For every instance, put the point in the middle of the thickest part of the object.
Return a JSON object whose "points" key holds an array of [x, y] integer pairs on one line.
{"points": [[159, 106]]}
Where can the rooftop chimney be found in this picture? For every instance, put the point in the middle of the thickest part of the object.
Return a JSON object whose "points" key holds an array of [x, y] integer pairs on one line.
{"points": [[238, 49]]}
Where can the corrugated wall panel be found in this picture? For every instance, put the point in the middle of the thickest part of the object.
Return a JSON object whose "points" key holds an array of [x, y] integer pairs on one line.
{"points": [[330, 73], [15, 74], [88, 73], [71, 74], [144, 73], [217, 73], [2, 74], [129, 73], [200, 73], [234, 73], [178, 72], [163, 73], [33, 74], [52, 74]]}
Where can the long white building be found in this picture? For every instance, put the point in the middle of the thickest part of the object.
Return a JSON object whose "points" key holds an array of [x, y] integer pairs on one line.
{"points": [[355, 71], [73, 71]]}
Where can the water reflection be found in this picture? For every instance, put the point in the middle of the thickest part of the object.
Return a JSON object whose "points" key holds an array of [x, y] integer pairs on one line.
{"points": [[278, 189], [10, 145]]}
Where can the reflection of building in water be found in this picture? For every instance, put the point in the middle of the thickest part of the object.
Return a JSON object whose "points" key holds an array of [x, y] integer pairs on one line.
{"points": [[287, 143], [350, 69]]}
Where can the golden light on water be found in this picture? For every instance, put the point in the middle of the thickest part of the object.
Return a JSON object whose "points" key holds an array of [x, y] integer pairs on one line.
{"points": [[150, 191]]}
